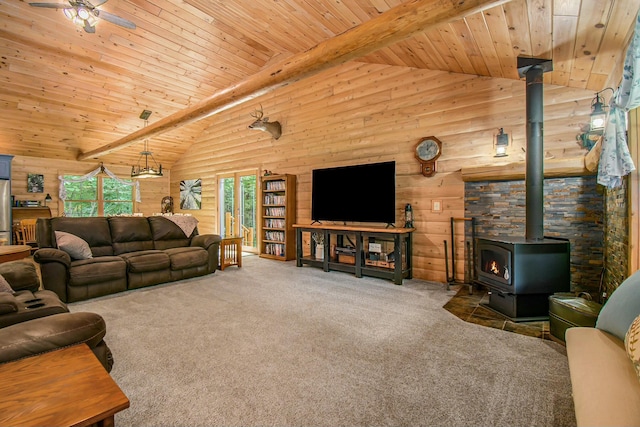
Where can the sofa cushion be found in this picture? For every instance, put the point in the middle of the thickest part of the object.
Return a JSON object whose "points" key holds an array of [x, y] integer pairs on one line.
{"points": [[606, 391], [97, 270], [144, 261], [21, 275], [76, 247], [167, 234], [130, 234], [94, 230], [632, 344], [189, 257], [623, 306]]}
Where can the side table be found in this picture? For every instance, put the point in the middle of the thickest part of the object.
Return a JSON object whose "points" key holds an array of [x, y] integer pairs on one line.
{"points": [[67, 387], [230, 252], [14, 252]]}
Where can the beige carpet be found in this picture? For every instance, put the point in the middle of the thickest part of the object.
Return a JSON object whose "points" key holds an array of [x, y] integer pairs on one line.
{"points": [[272, 344]]}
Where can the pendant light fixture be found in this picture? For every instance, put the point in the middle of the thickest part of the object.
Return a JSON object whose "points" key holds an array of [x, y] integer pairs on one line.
{"points": [[153, 170]]}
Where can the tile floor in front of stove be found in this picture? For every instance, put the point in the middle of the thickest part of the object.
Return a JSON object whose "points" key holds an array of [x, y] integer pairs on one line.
{"points": [[472, 308]]}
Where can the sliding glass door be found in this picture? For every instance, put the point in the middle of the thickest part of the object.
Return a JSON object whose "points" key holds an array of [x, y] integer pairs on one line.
{"points": [[238, 207]]}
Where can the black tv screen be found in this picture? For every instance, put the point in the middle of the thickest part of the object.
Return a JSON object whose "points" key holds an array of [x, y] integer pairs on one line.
{"points": [[359, 193]]}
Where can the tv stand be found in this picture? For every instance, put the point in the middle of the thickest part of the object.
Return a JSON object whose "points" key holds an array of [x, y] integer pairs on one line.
{"points": [[378, 251]]}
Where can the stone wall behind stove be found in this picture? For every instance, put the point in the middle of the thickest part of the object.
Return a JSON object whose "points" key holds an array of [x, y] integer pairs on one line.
{"points": [[573, 209], [616, 234]]}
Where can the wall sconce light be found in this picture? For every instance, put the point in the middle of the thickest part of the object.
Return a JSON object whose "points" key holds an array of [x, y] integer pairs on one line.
{"points": [[598, 113], [500, 143], [47, 199]]}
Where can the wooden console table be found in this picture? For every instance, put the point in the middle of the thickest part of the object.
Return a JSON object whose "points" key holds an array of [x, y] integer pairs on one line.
{"points": [[397, 269], [67, 387]]}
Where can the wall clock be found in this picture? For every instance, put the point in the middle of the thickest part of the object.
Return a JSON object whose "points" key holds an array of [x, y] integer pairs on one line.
{"points": [[427, 152]]}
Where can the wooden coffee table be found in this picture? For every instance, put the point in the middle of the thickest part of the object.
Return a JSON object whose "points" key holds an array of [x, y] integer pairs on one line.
{"points": [[14, 252], [67, 387]]}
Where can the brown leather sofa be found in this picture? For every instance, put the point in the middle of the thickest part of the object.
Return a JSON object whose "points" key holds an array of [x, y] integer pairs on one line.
{"points": [[35, 321], [125, 253]]}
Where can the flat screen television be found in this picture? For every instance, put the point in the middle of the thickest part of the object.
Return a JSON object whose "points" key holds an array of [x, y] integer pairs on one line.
{"points": [[358, 193]]}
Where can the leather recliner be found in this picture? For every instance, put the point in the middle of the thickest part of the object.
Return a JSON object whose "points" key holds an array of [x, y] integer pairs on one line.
{"points": [[33, 322]]}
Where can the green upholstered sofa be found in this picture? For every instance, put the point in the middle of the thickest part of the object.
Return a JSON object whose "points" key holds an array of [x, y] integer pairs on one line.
{"points": [[123, 253]]}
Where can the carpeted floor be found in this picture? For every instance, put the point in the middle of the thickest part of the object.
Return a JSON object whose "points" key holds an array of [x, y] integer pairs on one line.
{"points": [[271, 344]]}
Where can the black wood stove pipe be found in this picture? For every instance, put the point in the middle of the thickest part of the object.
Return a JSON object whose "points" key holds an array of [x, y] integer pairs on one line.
{"points": [[534, 177]]}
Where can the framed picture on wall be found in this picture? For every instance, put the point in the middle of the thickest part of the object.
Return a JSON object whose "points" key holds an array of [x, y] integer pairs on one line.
{"points": [[35, 183], [190, 194]]}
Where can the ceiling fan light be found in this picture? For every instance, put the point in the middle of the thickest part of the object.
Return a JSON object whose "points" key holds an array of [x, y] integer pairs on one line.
{"points": [[83, 13], [70, 14], [91, 20]]}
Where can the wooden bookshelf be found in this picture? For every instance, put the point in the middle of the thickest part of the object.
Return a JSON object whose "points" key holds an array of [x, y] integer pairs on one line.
{"points": [[278, 214]]}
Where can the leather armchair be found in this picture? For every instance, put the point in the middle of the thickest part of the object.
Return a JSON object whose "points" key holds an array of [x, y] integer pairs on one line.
{"points": [[49, 333], [34, 322]]}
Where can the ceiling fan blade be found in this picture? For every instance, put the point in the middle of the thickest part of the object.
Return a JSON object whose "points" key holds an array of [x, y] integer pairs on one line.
{"points": [[50, 5], [115, 19], [97, 3]]}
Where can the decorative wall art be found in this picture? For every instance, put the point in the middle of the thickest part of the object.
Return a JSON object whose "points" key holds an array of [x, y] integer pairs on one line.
{"points": [[190, 194], [35, 183]]}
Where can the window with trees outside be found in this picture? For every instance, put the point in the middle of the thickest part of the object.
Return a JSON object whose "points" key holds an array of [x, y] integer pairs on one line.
{"points": [[97, 196]]}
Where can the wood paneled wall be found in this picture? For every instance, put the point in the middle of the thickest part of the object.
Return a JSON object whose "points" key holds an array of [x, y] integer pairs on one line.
{"points": [[151, 191], [361, 113]]}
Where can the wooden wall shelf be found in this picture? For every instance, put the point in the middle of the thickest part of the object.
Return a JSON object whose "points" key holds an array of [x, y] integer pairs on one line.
{"points": [[26, 213], [553, 168]]}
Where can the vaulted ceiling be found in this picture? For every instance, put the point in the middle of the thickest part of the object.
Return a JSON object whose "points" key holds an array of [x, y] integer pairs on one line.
{"points": [[66, 92]]}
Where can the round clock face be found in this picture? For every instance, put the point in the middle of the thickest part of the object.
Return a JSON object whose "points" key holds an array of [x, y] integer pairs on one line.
{"points": [[428, 149]]}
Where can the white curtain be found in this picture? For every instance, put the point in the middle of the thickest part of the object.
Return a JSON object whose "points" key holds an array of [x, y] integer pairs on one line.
{"points": [[615, 159], [63, 192]]}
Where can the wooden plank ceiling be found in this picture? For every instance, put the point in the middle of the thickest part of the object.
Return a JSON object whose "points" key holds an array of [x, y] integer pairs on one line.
{"points": [[65, 91]]}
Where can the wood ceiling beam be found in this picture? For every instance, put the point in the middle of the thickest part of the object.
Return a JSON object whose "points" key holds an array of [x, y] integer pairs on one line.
{"points": [[397, 24]]}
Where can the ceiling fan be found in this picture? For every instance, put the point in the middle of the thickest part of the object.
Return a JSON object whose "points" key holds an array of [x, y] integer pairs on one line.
{"points": [[85, 14]]}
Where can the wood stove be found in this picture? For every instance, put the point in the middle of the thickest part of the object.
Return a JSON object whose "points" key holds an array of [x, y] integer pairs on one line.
{"points": [[522, 274]]}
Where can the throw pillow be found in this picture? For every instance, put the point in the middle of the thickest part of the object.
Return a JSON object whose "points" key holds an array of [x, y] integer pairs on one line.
{"points": [[622, 308], [5, 286], [76, 247], [632, 344]]}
